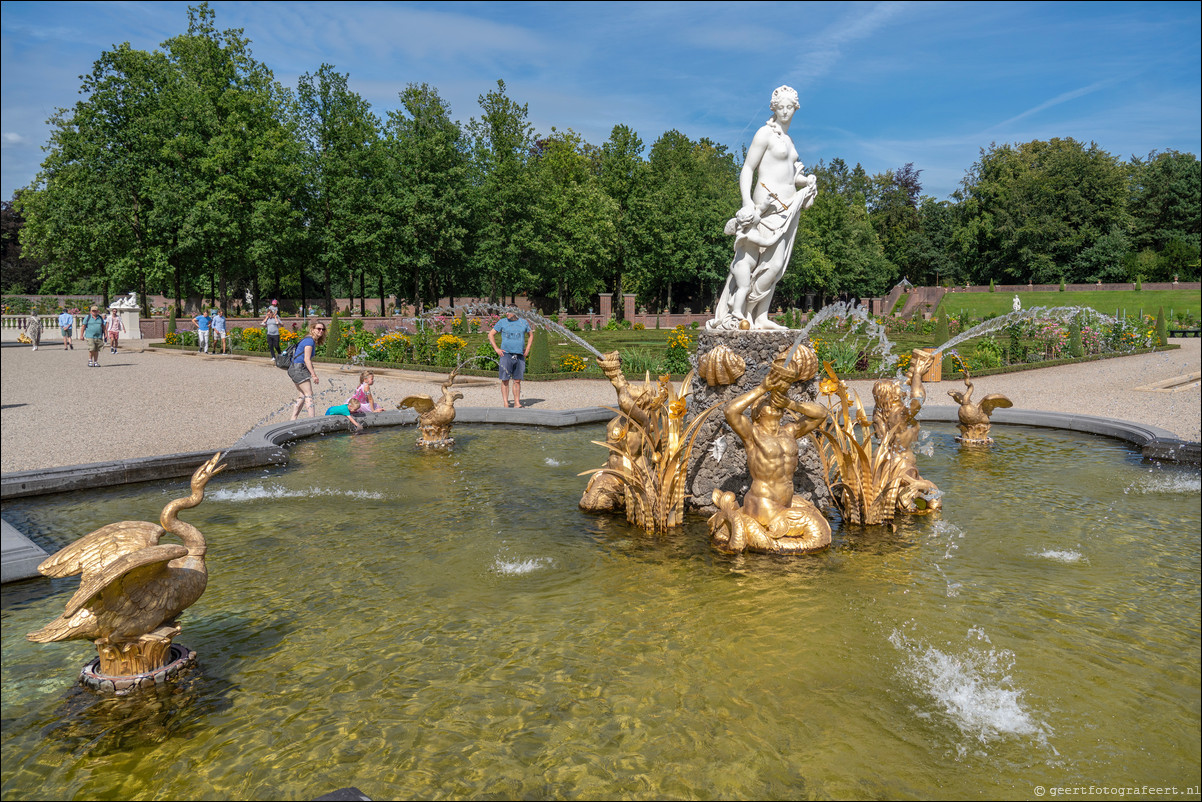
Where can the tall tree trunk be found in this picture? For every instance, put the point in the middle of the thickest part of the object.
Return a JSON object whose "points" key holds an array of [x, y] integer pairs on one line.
{"points": [[363, 292], [304, 300], [383, 311], [254, 294]]}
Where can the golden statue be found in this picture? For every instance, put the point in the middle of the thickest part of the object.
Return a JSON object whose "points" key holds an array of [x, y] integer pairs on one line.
{"points": [[435, 419], [974, 418], [649, 450], [772, 519], [872, 484], [132, 586]]}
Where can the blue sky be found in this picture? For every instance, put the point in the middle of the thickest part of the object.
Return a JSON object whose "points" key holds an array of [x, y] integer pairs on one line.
{"points": [[880, 83]]}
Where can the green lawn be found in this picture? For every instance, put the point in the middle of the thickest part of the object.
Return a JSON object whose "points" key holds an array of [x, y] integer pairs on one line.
{"points": [[1126, 302]]}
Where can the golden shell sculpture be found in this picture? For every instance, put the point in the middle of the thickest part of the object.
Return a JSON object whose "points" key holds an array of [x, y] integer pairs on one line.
{"points": [[721, 366]]}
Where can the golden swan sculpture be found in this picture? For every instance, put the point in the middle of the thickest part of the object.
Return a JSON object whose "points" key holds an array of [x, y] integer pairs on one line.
{"points": [[974, 417], [132, 587], [434, 418]]}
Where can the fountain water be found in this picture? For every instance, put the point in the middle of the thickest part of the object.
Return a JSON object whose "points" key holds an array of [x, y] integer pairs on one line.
{"points": [[468, 632]]}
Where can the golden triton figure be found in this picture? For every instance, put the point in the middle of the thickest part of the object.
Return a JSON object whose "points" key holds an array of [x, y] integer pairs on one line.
{"points": [[132, 586], [772, 519]]}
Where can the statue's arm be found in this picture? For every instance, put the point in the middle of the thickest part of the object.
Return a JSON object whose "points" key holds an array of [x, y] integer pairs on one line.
{"points": [[755, 153], [735, 409]]}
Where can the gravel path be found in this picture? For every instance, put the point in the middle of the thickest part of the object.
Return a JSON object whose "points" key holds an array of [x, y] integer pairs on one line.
{"points": [[141, 403]]}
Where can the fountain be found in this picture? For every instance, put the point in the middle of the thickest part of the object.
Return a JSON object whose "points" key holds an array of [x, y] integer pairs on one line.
{"points": [[1043, 625], [131, 590], [434, 419], [974, 417]]}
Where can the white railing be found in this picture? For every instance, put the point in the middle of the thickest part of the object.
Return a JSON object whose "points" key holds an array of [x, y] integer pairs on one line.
{"points": [[12, 325]]}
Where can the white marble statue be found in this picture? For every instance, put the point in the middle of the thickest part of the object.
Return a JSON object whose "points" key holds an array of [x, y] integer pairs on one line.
{"points": [[1017, 305], [775, 189], [129, 302]]}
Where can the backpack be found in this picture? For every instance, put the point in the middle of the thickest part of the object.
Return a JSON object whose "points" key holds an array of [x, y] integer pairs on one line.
{"points": [[284, 360]]}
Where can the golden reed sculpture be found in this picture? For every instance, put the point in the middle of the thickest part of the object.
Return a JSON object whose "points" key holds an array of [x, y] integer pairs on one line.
{"points": [[872, 484], [649, 449], [132, 586], [772, 519], [434, 419], [974, 418]]}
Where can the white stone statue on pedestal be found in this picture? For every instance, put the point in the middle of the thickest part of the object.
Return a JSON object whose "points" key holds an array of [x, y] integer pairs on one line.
{"points": [[775, 189], [129, 302]]}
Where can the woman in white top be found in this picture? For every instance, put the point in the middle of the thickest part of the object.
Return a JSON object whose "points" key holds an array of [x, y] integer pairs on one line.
{"points": [[114, 327]]}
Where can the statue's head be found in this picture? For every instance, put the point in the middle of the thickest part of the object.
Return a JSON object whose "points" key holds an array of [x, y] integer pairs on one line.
{"points": [[784, 97]]}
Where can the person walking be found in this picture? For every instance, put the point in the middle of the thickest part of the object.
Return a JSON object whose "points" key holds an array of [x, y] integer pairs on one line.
{"points": [[217, 321], [66, 322], [271, 324], [33, 329], [115, 327], [511, 355], [202, 321], [93, 331], [301, 370]]}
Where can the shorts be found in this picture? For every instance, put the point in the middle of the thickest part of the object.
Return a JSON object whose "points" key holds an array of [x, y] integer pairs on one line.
{"points": [[97, 343], [512, 366], [66, 331], [299, 373]]}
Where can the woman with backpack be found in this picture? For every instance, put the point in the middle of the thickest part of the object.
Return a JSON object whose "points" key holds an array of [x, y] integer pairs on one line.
{"points": [[301, 370]]}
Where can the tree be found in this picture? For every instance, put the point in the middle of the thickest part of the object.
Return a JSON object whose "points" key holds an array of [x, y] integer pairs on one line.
{"points": [[623, 176], [574, 221], [502, 142], [341, 166], [677, 233], [18, 273], [1038, 210], [427, 197], [1166, 209]]}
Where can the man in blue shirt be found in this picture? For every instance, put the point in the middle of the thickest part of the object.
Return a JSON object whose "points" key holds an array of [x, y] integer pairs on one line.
{"points": [[218, 324], [66, 322], [511, 356], [202, 322]]}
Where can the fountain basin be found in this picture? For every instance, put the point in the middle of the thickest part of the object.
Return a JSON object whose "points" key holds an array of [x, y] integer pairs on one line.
{"points": [[449, 624]]}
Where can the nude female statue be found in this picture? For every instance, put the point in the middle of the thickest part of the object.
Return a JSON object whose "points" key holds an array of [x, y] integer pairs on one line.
{"points": [[774, 189]]}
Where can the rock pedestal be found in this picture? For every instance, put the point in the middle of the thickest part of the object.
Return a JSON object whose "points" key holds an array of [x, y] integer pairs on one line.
{"points": [[729, 472]]}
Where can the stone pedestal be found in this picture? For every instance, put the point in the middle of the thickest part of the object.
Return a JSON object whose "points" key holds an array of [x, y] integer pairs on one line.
{"points": [[758, 349], [132, 320]]}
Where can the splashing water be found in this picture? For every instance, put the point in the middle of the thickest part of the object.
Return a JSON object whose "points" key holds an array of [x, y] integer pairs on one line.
{"points": [[496, 309], [519, 567], [1062, 556], [262, 492], [974, 689], [998, 323], [856, 316]]}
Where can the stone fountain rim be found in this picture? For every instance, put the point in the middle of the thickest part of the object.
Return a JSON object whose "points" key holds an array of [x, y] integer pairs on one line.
{"points": [[266, 445]]}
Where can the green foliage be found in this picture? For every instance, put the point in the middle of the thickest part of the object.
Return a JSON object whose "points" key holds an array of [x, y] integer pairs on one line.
{"points": [[334, 347], [539, 360], [1075, 345], [486, 357], [1162, 328], [637, 362], [171, 321], [1139, 284], [572, 325], [942, 334], [987, 353], [991, 287], [1033, 210], [1061, 285], [676, 356]]}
